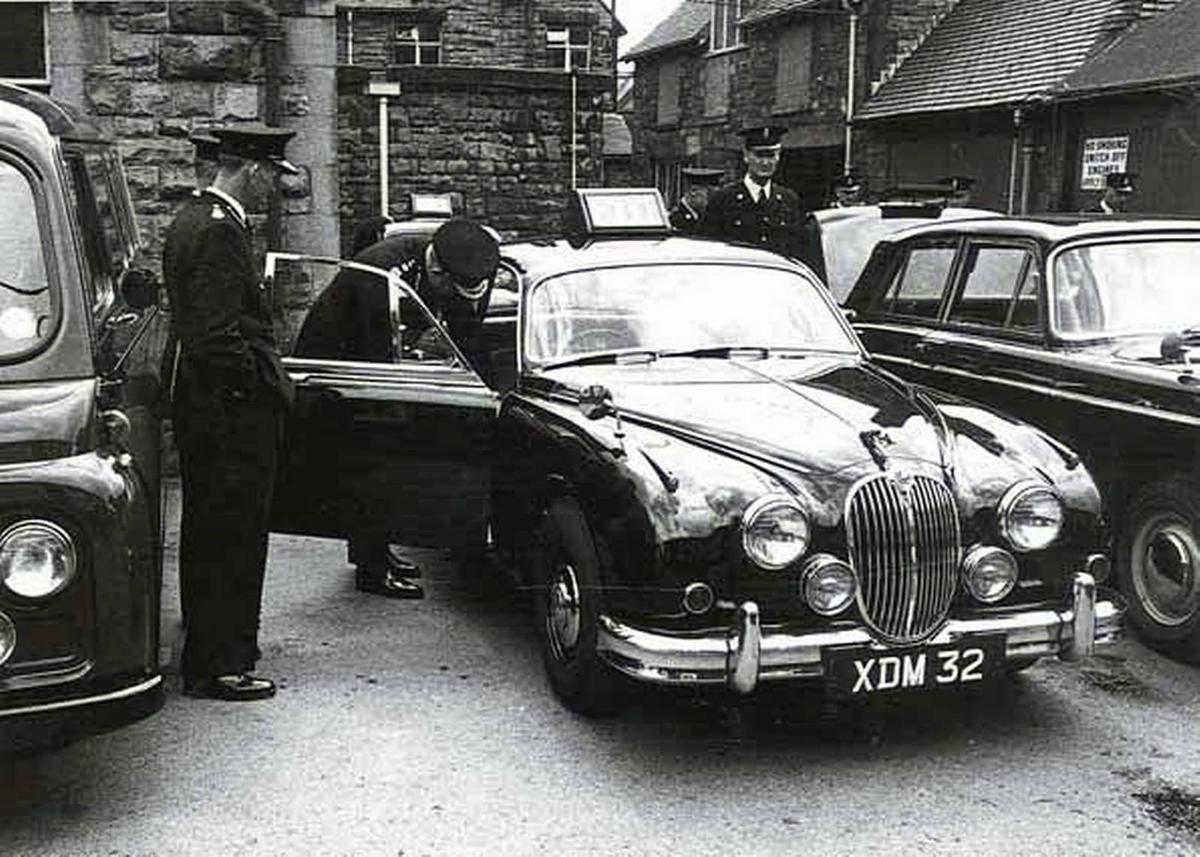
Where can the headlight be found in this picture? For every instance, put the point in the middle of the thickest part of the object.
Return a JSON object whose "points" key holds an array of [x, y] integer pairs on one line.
{"points": [[989, 573], [829, 585], [1030, 516], [774, 532], [37, 559], [8, 638]]}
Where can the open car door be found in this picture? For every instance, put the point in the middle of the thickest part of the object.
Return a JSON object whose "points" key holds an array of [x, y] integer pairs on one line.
{"points": [[397, 447]]}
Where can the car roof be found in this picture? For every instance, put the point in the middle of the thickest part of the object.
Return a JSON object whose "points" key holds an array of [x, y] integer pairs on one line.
{"points": [[539, 258], [31, 110], [826, 216], [1052, 228]]}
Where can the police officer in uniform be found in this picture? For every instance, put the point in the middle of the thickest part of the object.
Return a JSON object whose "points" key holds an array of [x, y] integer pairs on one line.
{"points": [[229, 394], [845, 191], [453, 272], [958, 189], [757, 210], [1117, 188], [698, 186]]}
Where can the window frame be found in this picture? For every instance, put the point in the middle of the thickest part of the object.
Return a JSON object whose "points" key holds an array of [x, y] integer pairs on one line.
{"points": [[730, 11], [569, 47], [44, 80], [36, 182], [897, 268], [406, 24], [960, 276]]}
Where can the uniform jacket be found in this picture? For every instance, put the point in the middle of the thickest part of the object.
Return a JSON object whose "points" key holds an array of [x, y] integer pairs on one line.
{"points": [[220, 313], [350, 321], [773, 224]]}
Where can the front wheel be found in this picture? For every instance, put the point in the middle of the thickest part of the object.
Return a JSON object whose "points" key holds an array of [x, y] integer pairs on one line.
{"points": [[567, 581], [1158, 567]]}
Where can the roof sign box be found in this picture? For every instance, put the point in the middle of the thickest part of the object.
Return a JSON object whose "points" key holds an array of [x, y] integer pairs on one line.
{"points": [[602, 210], [431, 205], [1101, 156]]}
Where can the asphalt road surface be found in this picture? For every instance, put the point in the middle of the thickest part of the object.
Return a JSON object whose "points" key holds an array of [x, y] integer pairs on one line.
{"points": [[426, 728]]}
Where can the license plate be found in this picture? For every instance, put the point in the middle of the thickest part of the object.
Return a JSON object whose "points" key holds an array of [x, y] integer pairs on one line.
{"points": [[862, 671]]}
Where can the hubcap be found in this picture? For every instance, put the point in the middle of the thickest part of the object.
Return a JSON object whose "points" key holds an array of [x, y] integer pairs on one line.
{"points": [[563, 613], [1165, 559]]}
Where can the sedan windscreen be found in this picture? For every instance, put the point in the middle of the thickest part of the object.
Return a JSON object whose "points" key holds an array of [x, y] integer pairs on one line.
{"points": [[1127, 288], [679, 307]]}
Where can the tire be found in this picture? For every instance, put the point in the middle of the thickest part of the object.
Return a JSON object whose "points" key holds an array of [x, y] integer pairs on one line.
{"points": [[567, 603], [1158, 568]]}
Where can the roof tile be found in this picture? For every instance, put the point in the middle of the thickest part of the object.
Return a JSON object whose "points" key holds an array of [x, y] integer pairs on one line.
{"points": [[686, 22], [1156, 52]]}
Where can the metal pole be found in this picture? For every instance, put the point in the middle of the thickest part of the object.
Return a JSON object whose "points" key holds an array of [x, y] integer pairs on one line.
{"points": [[383, 155], [574, 105], [850, 89], [1012, 161]]}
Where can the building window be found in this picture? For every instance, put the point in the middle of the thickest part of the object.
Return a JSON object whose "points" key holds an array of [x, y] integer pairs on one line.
{"points": [[716, 86], [23, 43], [419, 43], [793, 70], [724, 32], [569, 47], [668, 92]]}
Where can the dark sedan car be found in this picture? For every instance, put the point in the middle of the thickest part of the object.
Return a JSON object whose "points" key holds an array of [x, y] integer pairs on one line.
{"points": [[703, 479], [80, 562], [1085, 328]]}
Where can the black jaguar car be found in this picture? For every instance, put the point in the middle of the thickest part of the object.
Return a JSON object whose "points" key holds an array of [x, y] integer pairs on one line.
{"points": [[1087, 329], [80, 558], [703, 479]]}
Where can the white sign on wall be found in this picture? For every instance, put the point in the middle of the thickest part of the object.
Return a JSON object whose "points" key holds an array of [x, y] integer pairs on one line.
{"points": [[1101, 156]]}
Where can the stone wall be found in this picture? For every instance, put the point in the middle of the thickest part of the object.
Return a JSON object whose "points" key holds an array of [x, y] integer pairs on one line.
{"points": [[500, 139]]}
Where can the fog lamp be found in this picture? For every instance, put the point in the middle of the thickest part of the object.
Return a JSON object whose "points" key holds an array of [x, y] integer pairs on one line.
{"points": [[37, 559], [989, 573], [698, 598], [8, 638], [829, 584]]}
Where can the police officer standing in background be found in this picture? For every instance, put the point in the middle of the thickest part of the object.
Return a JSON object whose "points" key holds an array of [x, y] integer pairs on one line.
{"points": [[698, 185], [757, 210], [1117, 188], [229, 394]]}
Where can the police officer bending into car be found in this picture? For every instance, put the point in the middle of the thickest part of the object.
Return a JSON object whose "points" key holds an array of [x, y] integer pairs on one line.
{"points": [[229, 394], [453, 272], [757, 210]]}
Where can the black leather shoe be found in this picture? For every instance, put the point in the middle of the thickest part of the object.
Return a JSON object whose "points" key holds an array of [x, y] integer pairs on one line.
{"points": [[400, 566], [236, 687], [388, 584]]}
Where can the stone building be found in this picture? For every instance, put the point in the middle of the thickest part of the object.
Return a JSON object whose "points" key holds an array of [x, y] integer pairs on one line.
{"points": [[483, 98], [710, 68], [1012, 93]]}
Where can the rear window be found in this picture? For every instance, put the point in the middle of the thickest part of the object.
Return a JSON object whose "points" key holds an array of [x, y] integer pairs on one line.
{"points": [[27, 305], [919, 281]]}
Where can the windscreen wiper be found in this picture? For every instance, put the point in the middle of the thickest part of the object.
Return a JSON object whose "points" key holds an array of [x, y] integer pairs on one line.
{"points": [[633, 355], [725, 352]]}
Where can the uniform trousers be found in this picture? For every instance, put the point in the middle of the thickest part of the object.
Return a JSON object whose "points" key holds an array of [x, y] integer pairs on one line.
{"points": [[228, 444]]}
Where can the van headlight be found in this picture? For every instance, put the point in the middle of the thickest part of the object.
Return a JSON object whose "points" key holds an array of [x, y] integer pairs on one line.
{"points": [[1030, 516], [37, 559], [775, 532]]}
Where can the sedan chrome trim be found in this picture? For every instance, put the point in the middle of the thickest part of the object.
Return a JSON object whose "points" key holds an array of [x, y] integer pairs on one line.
{"points": [[1052, 392], [100, 699], [747, 653]]}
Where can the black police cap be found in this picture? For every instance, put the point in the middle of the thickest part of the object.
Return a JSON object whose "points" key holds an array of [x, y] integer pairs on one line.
{"points": [[1120, 181], [762, 136], [256, 142], [466, 250], [846, 181], [207, 146], [703, 175]]}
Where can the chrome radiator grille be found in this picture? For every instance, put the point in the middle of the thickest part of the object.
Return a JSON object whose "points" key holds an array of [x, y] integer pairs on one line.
{"points": [[905, 545]]}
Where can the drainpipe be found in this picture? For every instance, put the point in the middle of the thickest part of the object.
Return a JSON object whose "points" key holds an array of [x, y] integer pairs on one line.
{"points": [[272, 48], [574, 111], [1012, 161], [850, 87]]}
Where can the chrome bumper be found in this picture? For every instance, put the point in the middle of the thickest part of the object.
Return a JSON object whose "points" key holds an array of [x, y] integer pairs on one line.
{"points": [[119, 695], [748, 653]]}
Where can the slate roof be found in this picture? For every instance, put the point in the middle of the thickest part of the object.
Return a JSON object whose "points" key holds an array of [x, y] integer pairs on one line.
{"points": [[989, 53], [765, 9], [688, 21], [1162, 51], [618, 141]]}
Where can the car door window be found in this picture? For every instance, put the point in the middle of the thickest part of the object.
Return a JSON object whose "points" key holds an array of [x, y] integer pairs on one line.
{"points": [[996, 280], [919, 281], [27, 303]]}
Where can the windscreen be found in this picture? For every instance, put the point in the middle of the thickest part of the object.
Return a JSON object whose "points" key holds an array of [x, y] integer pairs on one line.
{"points": [[26, 308], [679, 307]]}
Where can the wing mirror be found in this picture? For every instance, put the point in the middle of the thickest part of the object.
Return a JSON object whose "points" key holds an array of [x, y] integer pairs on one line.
{"points": [[139, 288], [596, 401]]}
